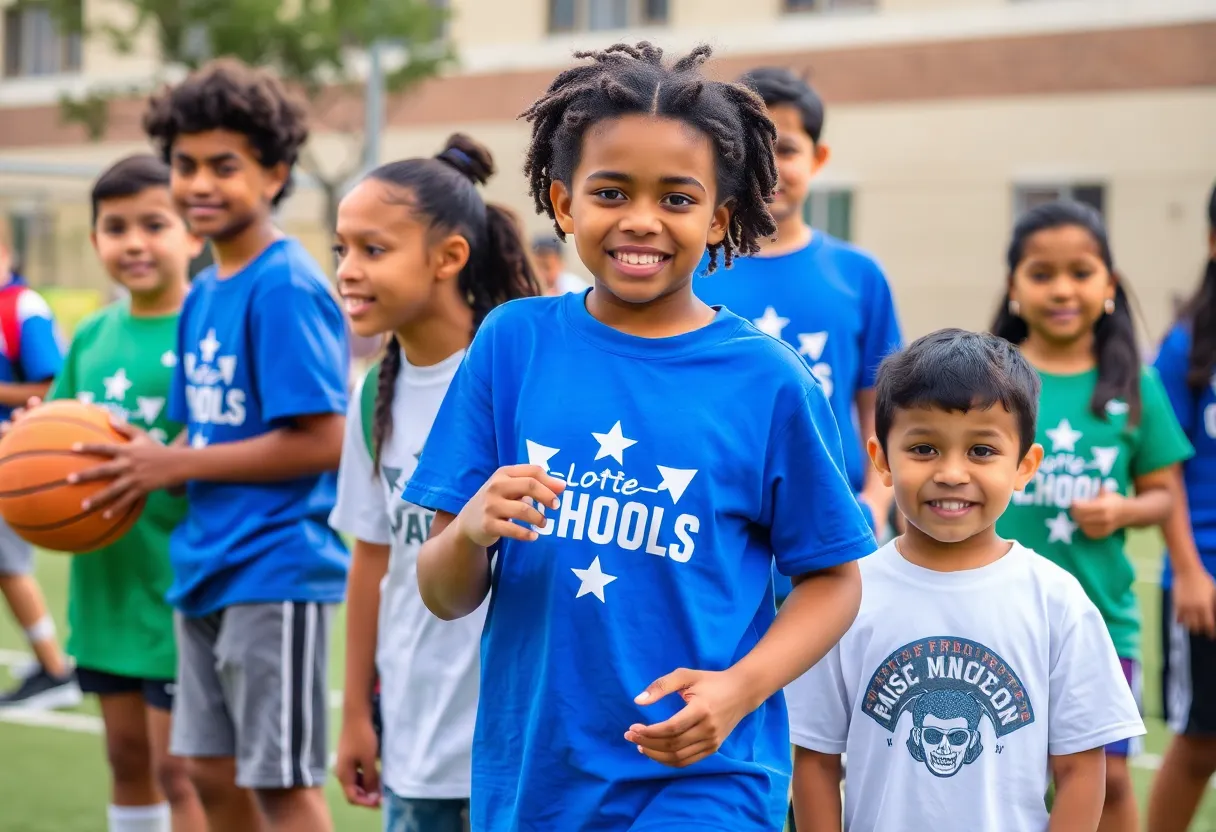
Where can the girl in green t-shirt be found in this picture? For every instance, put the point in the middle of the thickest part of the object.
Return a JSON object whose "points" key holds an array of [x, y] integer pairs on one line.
{"points": [[1112, 444]]}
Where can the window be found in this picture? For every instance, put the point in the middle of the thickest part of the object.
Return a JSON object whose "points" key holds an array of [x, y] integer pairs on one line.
{"points": [[831, 210], [33, 239], [826, 5], [33, 44], [1026, 197], [603, 15]]}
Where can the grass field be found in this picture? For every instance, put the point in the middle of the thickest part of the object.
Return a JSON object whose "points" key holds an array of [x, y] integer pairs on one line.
{"points": [[53, 771]]}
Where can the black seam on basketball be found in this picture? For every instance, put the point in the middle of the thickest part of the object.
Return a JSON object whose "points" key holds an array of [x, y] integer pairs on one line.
{"points": [[34, 489], [59, 524], [96, 542], [110, 537], [81, 423]]}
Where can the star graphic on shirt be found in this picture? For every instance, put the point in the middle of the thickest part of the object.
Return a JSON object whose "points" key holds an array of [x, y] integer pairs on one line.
{"points": [[675, 480], [539, 454], [1117, 407], [393, 477], [208, 346], [592, 580], [149, 408], [1060, 528], [770, 323], [613, 443], [1104, 459], [198, 441], [117, 385], [811, 344], [159, 435], [1063, 437], [168, 359], [86, 397]]}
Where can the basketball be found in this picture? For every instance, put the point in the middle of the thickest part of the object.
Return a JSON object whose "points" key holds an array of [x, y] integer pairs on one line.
{"points": [[36, 458]]}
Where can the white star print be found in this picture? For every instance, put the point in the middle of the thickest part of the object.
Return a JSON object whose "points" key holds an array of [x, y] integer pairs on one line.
{"points": [[1060, 528], [227, 365], [1104, 459], [811, 344], [613, 443], [199, 441], [1063, 437], [1117, 407], [770, 323], [117, 385], [540, 454], [208, 346], [168, 359], [675, 480], [149, 408], [593, 579], [86, 397], [159, 435]]}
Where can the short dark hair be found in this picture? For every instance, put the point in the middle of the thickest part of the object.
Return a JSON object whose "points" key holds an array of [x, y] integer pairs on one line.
{"points": [[547, 244], [778, 85], [227, 94], [956, 370], [127, 177], [626, 80]]}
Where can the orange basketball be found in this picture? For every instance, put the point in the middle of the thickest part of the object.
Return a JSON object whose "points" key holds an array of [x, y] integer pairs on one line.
{"points": [[36, 458]]}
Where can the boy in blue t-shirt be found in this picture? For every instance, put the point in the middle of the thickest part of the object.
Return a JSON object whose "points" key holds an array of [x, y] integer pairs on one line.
{"points": [[30, 357], [829, 300], [261, 387]]}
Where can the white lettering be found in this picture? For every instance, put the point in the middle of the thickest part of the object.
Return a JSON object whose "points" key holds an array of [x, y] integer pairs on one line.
{"points": [[911, 677], [214, 406], [1001, 698], [937, 667], [652, 541], [631, 534], [576, 516], [603, 520], [973, 672], [685, 524], [1209, 420], [989, 681]]}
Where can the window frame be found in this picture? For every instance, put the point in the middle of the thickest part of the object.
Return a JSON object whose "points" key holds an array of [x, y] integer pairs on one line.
{"points": [[637, 13]]}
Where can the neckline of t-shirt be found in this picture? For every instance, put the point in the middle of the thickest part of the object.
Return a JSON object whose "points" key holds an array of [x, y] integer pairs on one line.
{"points": [[1092, 371], [990, 573], [441, 372], [818, 238], [238, 278], [574, 309], [146, 319]]}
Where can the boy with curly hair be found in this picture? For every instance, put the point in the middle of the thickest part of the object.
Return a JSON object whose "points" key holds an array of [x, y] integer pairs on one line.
{"points": [[260, 384]]}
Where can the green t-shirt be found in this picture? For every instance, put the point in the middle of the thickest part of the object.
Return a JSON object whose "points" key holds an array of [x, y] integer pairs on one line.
{"points": [[119, 620], [1081, 453]]}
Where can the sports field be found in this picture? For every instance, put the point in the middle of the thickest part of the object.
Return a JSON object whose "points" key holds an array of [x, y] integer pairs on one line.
{"points": [[52, 766]]}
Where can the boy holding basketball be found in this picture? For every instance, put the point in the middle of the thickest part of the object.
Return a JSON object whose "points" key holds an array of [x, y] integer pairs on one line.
{"points": [[122, 358], [29, 358], [261, 387]]}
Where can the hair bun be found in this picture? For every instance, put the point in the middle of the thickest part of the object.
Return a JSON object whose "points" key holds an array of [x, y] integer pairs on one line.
{"points": [[469, 157]]}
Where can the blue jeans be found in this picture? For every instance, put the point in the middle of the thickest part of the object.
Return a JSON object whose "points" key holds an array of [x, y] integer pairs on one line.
{"points": [[417, 814]]}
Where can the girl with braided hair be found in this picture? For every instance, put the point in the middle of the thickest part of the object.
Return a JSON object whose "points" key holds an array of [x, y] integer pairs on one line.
{"points": [[622, 466], [420, 256]]}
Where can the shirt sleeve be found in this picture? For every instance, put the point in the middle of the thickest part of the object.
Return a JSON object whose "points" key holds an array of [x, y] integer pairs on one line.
{"points": [[1090, 701], [813, 518], [819, 707], [360, 509], [1173, 360], [41, 354], [881, 335], [300, 352], [177, 409], [1162, 442], [461, 451]]}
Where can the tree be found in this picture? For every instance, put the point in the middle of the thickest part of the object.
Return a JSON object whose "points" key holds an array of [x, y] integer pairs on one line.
{"points": [[313, 45]]}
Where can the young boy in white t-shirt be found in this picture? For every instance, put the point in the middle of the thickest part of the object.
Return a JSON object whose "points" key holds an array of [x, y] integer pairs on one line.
{"points": [[975, 670]]}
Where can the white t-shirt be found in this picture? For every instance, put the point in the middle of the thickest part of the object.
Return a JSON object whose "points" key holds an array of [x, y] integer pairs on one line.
{"points": [[429, 668], [570, 282], [951, 689]]}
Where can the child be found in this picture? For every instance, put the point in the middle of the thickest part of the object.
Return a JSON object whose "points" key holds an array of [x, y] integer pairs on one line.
{"points": [[1105, 423], [422, 257], [974, 668], [29, 359], [261, 387], [829, 300], [121, 626], [683, 443], [1187, 364], [549, 254]]}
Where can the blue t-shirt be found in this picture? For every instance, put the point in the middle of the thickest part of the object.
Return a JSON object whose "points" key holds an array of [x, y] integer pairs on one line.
{"points": [[1196, 412], [256, 350], [692, 462], [40, 355]]}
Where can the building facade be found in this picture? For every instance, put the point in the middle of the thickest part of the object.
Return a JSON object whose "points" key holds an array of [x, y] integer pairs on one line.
{"points": [[944, 117]]}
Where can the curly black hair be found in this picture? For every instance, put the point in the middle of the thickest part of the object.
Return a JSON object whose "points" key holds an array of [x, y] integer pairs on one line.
{"points": [[778, 85], [227, 94], [624, 80]]}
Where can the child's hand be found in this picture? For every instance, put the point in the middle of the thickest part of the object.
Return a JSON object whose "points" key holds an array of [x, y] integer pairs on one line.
{"points": [[715, 702], [357, 766], [1100, 517], [504, 498], [137, 468], [18, 414], [1193, 596]]}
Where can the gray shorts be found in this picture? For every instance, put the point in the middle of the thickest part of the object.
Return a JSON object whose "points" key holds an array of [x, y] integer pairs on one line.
{"points": [[16, 556], [251, 684]]}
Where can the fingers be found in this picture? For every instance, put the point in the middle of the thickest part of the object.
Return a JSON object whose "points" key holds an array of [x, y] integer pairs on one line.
{"points": [[685, 756], [104, 471], [124, 504], [108, 496], [537, 473], [360, 781], [678, 680], [125, 428], [505, 528], [91, 449]]}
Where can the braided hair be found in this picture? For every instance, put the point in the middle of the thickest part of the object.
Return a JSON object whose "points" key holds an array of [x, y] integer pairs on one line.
{"points": [[625, 80], [441, 192]]}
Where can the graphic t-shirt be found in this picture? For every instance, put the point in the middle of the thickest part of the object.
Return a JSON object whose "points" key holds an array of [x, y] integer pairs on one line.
{"points": [[951, 689], [429, 668], [40, 356], [831, 302], [1195, 410], [1084, 454], [258, 349], [119, 619], [690, 462]]}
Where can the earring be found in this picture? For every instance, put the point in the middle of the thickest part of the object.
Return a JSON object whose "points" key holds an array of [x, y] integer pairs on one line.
{"points": [[1015, 308], [1109, 306]]}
